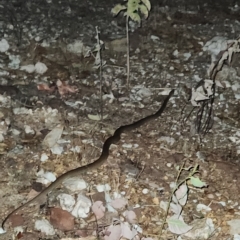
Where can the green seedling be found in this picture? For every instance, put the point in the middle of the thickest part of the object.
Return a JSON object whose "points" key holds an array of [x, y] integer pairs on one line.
{"points": [[133, 9], [178, 200]]}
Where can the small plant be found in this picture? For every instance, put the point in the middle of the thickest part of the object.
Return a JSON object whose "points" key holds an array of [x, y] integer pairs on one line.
{"points": [[98, 64], [178, 200], [131, 11], [203, 95]]}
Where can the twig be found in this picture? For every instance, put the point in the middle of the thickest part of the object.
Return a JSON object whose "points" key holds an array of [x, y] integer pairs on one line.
{"points": [[128, 52], [100, 72]]}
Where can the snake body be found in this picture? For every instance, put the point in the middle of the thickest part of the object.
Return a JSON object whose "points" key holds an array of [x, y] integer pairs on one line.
{"points": [[97, 163]]}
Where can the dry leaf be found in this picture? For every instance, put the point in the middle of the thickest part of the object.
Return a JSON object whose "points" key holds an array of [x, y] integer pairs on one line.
{"points": [[52, 137], [64, 88]]}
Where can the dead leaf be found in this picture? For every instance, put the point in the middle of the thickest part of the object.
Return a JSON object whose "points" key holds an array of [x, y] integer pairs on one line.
{"points": [[52, 137], [64, 88], [131, 217], [16, 220], [98, 209], [118, 203], [45, 87], [61, 219]]}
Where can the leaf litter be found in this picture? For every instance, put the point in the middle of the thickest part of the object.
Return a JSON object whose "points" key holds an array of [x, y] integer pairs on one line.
{"points": [[64, 70]]}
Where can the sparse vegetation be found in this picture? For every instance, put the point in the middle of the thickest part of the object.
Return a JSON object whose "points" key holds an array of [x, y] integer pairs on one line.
{"points": [[203, 95], [55, 64], [132, 10], [179, 197]]}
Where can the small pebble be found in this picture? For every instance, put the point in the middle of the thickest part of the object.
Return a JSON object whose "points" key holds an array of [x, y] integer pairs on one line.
{"points": [[145, 191], [210, 196]]}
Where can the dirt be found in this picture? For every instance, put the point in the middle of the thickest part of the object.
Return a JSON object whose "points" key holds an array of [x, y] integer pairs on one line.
{"points": [[148, 159]]}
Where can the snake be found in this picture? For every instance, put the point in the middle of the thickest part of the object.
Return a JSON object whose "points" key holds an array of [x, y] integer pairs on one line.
{"points": [[115, 138]]}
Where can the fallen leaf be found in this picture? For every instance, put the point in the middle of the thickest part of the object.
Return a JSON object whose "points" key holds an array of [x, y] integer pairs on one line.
{"points": [[64, 88], [98, 209], [118, 203], [61, 219], [45, 87], [131, 217], [113, 232], [16, 220], [52, 137]]}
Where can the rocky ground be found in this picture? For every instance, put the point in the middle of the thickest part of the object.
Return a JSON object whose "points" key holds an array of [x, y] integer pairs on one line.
{"points": [[50, 108]]}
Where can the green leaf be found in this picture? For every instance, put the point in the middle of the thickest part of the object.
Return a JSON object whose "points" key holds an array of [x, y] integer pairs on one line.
{"points": [[117, 9], [147, 4], [196, 182], [133, 5], [135, 17], [144, 10]]}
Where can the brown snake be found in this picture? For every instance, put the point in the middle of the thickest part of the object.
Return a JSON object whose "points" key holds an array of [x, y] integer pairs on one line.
{"points": [[103, 157]]}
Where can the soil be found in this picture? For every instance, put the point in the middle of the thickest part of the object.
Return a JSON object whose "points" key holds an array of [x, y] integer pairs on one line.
{"points": [[166, 52]]}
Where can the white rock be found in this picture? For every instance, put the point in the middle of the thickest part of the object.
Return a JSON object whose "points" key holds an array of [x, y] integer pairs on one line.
{"points": [[103, 188], [40, 68], [4, 73], [15, 132], [57, 149], [4, 46], [22, 110], [15, 61], [67, 201], [82, 207], [234, 226], [28, 68], [154, 38], [236, 237], [28, 130], [45, 177], [203, 207], [186, 56], [223, 203], [44, 157], [44, 226], [127, 145], [145, 191], [175, 53], [75, 184]]}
